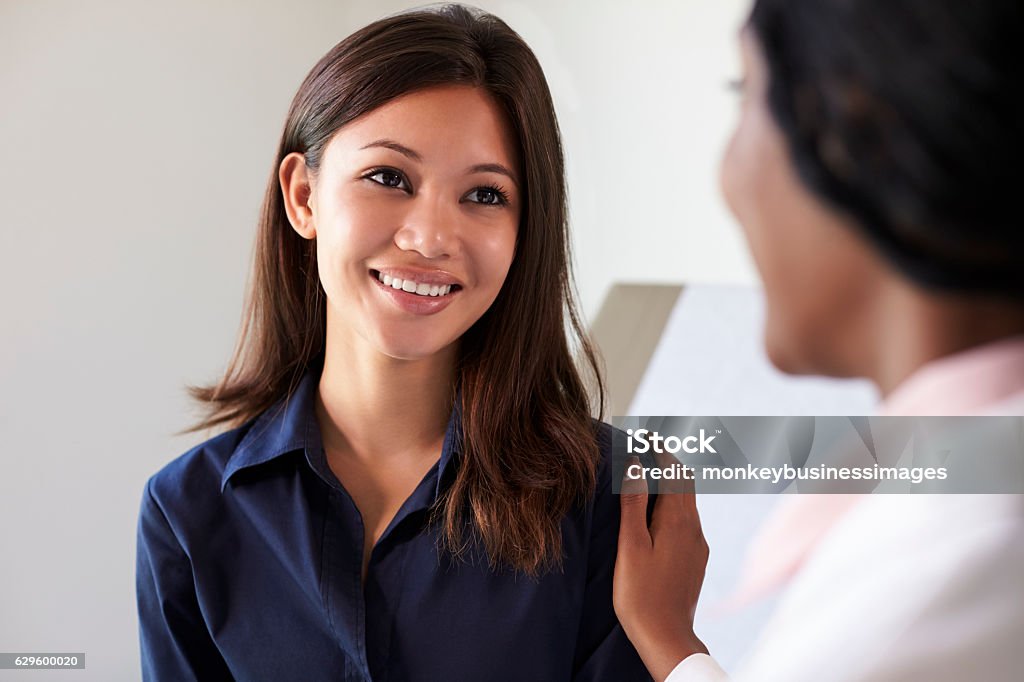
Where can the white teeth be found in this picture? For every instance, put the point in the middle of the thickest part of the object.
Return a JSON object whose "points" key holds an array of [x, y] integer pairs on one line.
{"points": [[418, 288]]}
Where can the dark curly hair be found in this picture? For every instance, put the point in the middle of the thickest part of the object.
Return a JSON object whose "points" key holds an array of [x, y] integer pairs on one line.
{"points": [[908, 115]]}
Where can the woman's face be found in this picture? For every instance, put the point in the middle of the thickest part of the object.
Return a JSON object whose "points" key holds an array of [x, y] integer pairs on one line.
{"points": [[818, 275], [415, 209]]}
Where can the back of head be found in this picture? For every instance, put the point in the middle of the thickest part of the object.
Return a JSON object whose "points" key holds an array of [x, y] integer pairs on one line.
{"points": [[908, 115]]}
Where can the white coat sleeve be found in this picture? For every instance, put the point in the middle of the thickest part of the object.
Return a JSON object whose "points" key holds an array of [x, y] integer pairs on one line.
{"points": [[697, 668]]}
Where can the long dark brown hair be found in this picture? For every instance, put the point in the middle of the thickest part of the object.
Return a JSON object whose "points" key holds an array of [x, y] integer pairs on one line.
{"points": [[529, 449]]}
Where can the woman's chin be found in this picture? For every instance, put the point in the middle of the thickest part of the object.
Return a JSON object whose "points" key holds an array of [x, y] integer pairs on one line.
{"points": [[807, 354], [785, 354], [412, 349]]}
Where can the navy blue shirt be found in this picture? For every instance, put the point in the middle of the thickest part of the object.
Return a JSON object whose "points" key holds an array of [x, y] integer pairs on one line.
{"points": [[249, 567]]}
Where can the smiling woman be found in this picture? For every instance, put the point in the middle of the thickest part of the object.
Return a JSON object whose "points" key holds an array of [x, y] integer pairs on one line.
{"points": [[412, 487], [395, 220]]}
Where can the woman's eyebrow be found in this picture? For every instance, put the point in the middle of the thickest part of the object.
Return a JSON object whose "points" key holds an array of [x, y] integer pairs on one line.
{"points": [[395, 146], [415, 156], [493, 168]]}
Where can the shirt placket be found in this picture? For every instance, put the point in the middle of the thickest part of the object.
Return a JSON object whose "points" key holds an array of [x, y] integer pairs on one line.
{"points": [[341, 586], [343, 593]]}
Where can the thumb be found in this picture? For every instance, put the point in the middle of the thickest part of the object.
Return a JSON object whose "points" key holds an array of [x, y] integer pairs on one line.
{"points": [[633, 500]]}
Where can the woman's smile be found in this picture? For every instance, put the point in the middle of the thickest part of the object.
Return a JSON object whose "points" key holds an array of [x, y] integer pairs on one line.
{"points": [[419, 292]]}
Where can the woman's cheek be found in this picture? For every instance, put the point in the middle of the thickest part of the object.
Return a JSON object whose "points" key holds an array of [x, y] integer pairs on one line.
{"points": [[326, 264], [727, 175], [745, 178], [494, 255]]}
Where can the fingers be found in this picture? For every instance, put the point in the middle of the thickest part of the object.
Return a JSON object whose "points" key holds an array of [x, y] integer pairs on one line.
{"points": [[677, 492], [671, 486], [676, 508], [633, 501]]}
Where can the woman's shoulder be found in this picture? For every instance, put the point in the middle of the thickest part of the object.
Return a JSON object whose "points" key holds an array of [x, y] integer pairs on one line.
{"points": [[607, 437], [606, 433], [197, 474], [601, 523]]}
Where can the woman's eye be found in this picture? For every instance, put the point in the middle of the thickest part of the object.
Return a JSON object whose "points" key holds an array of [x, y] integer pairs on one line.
{"points": [[487, 195], [388, 178]]}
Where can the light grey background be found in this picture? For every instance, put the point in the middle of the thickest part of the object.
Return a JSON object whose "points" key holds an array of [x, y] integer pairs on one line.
{"points": [[136, 141]]}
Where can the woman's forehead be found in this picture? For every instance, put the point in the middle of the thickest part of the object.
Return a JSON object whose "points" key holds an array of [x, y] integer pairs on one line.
{"points": [[452, 125]]}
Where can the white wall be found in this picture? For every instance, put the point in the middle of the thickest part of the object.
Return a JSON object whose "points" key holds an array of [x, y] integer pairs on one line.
{"points": [[136, 138]]}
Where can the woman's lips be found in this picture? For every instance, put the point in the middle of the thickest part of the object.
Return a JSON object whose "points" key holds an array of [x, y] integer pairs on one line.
{"points": [[423, 283], [419, 275], [412, 301]]}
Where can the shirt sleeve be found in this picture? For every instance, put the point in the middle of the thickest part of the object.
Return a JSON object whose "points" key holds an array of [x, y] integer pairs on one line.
{"points": [[603, 652], [175, 642], [697, 668]]}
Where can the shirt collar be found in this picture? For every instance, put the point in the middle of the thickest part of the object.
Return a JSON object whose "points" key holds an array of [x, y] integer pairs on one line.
{"points": [[968, 382], [984, 379], [290, 425], [281, 429], [452, 444]]}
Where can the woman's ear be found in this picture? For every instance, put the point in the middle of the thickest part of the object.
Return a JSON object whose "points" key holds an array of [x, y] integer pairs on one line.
{"points": [[297, 190]]}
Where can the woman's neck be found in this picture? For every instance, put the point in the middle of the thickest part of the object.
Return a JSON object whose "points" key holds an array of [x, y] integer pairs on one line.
{"points": [[915, 328], [370, 405]]}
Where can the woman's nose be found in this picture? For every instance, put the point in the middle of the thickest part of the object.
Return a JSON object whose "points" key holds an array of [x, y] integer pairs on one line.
{"points": [[429, 228]]}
